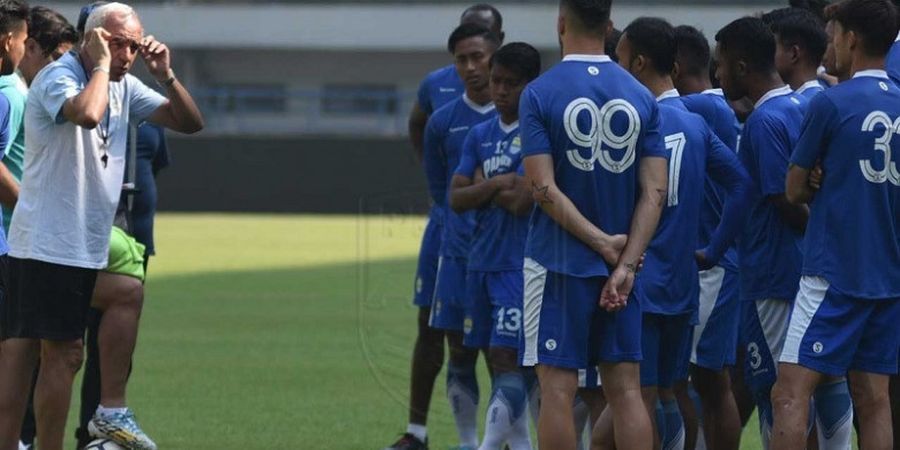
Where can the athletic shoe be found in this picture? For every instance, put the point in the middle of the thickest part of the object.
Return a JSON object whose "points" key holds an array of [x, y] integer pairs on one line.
{"points": [[409, 442], [121, 428]]}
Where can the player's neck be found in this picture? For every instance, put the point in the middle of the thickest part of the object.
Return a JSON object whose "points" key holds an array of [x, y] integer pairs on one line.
{"points": [[659, 85], [759, 84], [582, 45], [862, 62], [509, 118], [694, 85], [481, 96], [802, 76]]}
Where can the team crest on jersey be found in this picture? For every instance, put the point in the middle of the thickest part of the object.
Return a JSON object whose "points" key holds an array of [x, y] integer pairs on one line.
{"points": [[550, 344], [467, 325], [515, 146], [593, 70]]}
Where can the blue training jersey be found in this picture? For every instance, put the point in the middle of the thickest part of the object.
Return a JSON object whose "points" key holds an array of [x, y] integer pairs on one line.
{"points": [[444, 135], [769, 249], [853, 236], [809, 89], [439, 88], [669, 282], [712, 106], [892, 63], [596, 122], [498, 242]]}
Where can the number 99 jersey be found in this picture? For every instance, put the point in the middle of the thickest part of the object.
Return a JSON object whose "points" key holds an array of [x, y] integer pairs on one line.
{"points": [[597, 122]]}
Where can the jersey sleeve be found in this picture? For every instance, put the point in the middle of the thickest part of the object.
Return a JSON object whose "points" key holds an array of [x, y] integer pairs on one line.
{"points": [[468, 160], [56, 86], [423, 97], [532, 128], [815, 132], [652, 142], [435, 163], [723, 167], [772, 147]]}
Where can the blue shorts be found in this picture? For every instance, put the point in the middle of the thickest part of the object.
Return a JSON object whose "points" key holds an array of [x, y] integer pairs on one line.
{"points": [[664, 342], [589, 378], [448, 309], [565, 326], [716, 336], [494, 309], [833, 333], [763, 330], [426, 273]]}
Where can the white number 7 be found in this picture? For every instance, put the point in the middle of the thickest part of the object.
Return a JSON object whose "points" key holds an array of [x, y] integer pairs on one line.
{"points": [[675, 144]]}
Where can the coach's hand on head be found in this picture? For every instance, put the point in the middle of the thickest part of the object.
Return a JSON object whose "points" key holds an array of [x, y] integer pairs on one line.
{"points": [[156, 56], [96, 44]]}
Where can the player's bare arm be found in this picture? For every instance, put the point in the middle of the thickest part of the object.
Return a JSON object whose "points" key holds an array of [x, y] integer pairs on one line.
{"points": [[517, 199], [9, 188], [88, 107], [798, 186], [417, 121], [546, 194], [653, 179], [180, 113], [795, 215], [465, 194]]}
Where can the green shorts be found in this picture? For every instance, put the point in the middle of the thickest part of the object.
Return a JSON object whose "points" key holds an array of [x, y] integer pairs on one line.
{"points": [[126, 255]]}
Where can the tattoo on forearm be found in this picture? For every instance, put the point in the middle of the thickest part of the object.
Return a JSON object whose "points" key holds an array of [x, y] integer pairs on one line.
{"points": [[542, 193], [631, 267]]}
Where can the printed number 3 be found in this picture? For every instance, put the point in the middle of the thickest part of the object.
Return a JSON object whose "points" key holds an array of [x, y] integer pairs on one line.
{"points": [[883, 144], [675, 144]]}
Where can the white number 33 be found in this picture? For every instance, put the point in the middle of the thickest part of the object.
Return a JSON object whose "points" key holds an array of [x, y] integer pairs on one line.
{"points": [[883, 144]]}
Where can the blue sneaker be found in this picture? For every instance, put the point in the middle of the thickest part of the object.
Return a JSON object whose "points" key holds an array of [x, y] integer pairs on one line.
{"points": [[121, 428]]}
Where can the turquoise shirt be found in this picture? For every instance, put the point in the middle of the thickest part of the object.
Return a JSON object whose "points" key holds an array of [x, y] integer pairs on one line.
{"points": [[15, 90]]}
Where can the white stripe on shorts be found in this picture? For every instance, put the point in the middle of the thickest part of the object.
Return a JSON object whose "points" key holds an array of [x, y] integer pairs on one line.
{"points": [[809, 299], [535, 281], [710, 285], [434, 294], [773, 318]]}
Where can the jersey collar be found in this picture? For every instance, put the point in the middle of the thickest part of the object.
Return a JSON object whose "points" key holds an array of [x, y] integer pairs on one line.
{"points": [[898, 38], [718, 92], [587, 58], [777, 92], [671, 93], [811, 84], [508, 127], [871, 73], [481, 109]]}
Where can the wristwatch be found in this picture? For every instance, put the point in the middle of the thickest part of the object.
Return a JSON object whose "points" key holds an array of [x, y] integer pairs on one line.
{"points": [[170, 79]]}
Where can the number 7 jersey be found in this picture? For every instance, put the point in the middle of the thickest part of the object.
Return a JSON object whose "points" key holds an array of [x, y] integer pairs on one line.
{"points": [[596, 122], [853, 236]]}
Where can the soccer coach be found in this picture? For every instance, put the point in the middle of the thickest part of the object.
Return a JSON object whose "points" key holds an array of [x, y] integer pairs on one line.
{"points": [[76, 125]]}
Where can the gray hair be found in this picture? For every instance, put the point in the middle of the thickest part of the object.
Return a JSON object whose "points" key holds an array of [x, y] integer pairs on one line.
{"points": [[101, 14]]}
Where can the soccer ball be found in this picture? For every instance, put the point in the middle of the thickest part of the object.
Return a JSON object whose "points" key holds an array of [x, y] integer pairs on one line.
{"points": [[103, 444]]}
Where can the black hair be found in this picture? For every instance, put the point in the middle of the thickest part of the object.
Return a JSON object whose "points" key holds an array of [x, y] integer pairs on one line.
{"points": [[874, 20], [592, 14], [692, 51], [654, 38], [12, 14], [804, 29], [750, 40], [775, 15], [817, 7], [470, 30], [484, 7], [50, 29], [519, 57], [611, 42]]}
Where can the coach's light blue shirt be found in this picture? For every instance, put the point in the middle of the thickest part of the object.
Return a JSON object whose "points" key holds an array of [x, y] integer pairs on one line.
{"points": [[597, 122]]}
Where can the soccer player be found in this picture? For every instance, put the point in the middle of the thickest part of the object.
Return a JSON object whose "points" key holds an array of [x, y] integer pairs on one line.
{"points": [[438, 88], [488, 181], [845, 315], [472, 46], [53, 271], [713, 349], [768, 249], [800, 43], [596, 163], [668, 286]]}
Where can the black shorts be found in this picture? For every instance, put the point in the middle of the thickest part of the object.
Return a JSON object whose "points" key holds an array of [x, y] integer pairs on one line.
{"points": [[46, 301]]}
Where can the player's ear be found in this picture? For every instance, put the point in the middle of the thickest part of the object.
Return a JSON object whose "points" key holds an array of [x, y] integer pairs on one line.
{"points": [[5, 42], [676, 70], [740, 69], [795, 53], [561, 25]]}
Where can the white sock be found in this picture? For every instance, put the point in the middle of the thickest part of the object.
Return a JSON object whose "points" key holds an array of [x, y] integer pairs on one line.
{"points": [[22, 446], [419, 431], [498, 425], [462, 392], [103, 411], [701, 438], [520, 438], [834, 416], [582, 414]]}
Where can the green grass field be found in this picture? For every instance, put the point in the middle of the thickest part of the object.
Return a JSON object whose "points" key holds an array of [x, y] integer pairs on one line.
{"points": [[283, 332]]}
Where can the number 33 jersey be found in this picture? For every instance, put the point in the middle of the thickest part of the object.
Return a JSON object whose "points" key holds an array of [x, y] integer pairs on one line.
{"points": [[853, 236], [596, 122]]}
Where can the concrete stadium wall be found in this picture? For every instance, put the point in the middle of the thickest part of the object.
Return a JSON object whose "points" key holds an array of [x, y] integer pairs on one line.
{"points": [[317, 174]]}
